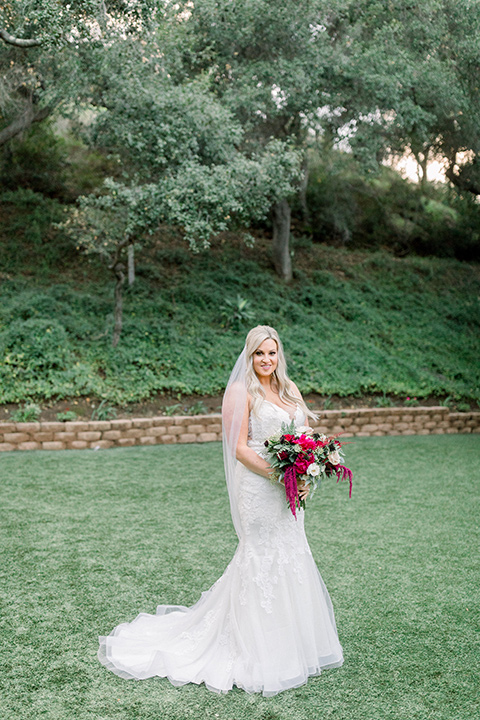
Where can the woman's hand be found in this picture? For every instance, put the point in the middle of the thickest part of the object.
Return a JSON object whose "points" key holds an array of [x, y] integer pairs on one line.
{"points": [[303, 490]]}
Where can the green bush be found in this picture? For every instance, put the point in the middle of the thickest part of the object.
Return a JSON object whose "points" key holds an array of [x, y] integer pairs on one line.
{"points": [[236, 312], [53, 165], [103, 412], [28, 413], [28, 222], [346, 206], [35, 161], [37, 360], [332, 199], [35, 346], [67, 415]]}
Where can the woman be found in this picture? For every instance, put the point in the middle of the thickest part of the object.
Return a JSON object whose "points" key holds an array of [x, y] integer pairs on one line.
{"points": [[267, 624]]}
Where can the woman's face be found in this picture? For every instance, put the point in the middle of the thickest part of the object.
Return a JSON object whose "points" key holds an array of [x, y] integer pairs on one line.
{"points": [[265, 359]]}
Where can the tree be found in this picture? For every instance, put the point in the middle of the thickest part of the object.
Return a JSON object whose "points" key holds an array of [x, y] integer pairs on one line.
{"points": [[178, 137], [107, 226], [36, 41], [51, 50], [381, 77], [410, 83], [266, 62], [178, 150], [198, 199]]}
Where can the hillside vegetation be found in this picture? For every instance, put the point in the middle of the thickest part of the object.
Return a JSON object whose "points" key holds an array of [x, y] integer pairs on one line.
{"points": [[353, 323]]}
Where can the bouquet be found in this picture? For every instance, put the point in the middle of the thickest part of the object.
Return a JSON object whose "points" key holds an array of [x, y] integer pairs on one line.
{"points": [[306, 456]]}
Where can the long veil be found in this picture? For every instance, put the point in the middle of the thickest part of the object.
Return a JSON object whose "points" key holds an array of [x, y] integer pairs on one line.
{"points": [[233, 410]]}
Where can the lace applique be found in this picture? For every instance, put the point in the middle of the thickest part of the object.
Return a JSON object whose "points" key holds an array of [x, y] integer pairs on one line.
{"points": [[227, 638], [192, 639]]}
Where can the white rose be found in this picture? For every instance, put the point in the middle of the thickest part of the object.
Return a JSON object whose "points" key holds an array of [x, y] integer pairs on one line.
{"points": [[334, 457], [313, 470]]}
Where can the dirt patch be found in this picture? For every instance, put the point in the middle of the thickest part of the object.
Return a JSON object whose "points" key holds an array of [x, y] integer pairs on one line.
{"points": [[94, 409]]}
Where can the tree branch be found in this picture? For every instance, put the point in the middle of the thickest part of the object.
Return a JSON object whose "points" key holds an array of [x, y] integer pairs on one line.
{"points": [[23, 123], [18, 42], [462, 180]]}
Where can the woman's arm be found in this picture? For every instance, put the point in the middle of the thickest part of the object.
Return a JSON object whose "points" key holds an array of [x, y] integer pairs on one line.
{"points": [[245, 454]]}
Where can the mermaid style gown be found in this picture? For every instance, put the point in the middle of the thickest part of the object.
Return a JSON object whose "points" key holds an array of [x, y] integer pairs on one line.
{"points": [[266, 625]]}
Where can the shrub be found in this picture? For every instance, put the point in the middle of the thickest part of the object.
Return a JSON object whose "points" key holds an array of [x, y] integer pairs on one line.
{"points": [[28, 221], [35, 161], [35, 345], [386, 210], [198, 408], [171, 410], [236, 312], [66, 416], [28, 413], [104, 412]]}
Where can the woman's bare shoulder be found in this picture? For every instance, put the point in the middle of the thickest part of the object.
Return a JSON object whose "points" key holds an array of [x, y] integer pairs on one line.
{"points": [[295, 389]]}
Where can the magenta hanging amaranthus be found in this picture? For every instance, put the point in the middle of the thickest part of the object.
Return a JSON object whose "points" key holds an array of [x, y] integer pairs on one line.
{"points": [[344, 473], [291, 488], [301, 455]]}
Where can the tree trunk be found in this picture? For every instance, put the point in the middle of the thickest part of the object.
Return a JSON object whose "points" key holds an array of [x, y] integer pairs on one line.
{"points": [[131, 265], [302, 192], [281, 240], [23, 122], [118, 269], [102, 19], [424, 165]]}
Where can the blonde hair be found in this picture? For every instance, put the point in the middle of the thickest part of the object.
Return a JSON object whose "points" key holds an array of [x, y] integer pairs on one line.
{"points": [[280, 381]]}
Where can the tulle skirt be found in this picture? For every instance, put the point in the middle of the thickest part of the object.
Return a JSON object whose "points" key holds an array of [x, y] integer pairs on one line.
{"points": [[265, 626]]}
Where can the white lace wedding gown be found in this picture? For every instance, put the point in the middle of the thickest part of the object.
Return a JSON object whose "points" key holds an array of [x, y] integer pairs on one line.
{"points": [[266, 625]]}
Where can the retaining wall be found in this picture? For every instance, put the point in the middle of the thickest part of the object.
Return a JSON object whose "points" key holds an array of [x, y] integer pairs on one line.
{"points": [[208, 428]]}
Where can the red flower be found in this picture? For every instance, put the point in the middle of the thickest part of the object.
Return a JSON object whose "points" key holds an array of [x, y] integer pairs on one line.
{"points": [[282, 455], [301, 464]]}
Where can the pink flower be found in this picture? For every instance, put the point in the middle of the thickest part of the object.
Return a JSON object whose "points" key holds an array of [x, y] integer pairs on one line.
{"points": [[306, 442], [301, 464]]}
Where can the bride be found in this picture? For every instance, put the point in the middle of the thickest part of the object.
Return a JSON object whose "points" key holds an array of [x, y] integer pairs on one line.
{"points": [[267, 624]]}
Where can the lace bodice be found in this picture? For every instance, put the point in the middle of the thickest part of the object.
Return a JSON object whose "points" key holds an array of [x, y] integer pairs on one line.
{"points": [[269, 529], [268, 421]]}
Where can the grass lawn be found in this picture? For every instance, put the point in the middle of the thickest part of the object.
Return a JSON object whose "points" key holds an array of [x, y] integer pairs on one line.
{"points": [[89, 539]]}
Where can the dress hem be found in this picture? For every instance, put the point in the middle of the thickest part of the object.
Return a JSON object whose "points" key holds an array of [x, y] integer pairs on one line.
{"points": [[295, 683]]}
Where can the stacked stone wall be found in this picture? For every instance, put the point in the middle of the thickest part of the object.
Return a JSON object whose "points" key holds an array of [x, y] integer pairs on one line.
{"points": [[208, 428]]}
